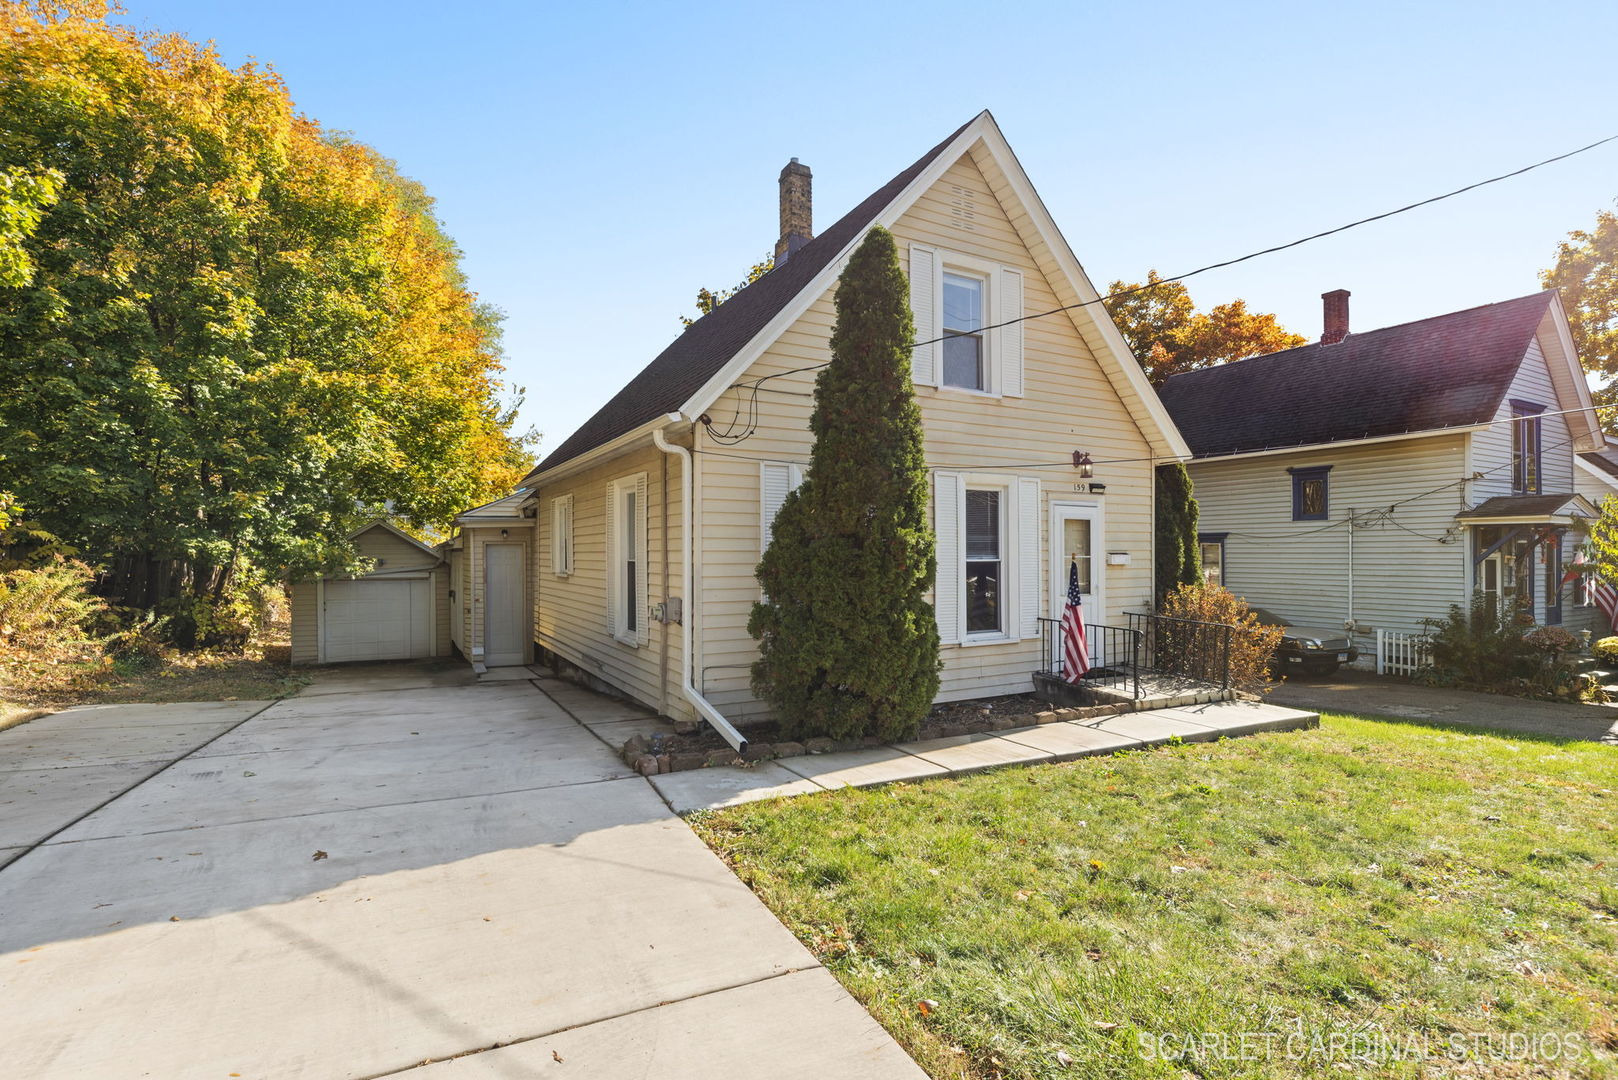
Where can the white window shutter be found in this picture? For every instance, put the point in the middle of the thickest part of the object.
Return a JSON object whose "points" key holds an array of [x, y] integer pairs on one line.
{"points": [[775, 480], [1011, 337], [947, 525], [562, 534], [614, 563], [1029, 564], [642, 571], [924, 307]]}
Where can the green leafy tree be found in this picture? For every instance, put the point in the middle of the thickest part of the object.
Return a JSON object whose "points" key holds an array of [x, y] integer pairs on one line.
{"points": [[1586, 275], [1168, 335], [848, 644], [707, 299], [1179, 555], [1601, 546], [24, 196], [241, 336]]}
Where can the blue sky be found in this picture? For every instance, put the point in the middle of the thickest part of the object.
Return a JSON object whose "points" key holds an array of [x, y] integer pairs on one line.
{"points": [[599, 162]]}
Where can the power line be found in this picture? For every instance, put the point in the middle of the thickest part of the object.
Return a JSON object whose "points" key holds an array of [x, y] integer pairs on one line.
{"points": [[755, 384]]}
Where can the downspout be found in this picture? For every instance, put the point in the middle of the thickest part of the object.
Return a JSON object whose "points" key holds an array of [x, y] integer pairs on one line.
{"points": [[703, 706], [1350, 624]]}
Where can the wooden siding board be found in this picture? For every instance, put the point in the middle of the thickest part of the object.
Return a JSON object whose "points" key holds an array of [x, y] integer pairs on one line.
{"points": [[1299, 568]]}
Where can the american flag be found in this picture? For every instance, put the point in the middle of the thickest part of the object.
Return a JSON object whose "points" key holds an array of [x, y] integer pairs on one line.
{"points": [[1597, 590], [1075, 649]]}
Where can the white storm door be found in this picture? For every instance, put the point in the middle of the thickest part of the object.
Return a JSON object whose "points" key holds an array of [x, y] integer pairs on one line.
{"points": [[1076, 540], [505, 626]]}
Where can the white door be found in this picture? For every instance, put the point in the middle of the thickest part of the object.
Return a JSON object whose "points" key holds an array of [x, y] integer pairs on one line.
{"points": [[376, 619], [1076, 541], [504, 624]]}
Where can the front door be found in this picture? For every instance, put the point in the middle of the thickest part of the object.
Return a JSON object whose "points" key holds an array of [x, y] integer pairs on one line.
{"points": [[1076, 540], [505, 625]]}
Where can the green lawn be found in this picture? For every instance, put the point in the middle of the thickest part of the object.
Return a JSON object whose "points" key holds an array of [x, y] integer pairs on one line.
{"points": [[1370, 890]]}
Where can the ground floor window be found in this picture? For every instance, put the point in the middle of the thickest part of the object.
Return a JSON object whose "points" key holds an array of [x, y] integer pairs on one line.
{"points": [[985, 562], [1213, 558]]}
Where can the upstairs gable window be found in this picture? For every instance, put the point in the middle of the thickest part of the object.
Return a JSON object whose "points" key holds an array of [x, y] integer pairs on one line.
{"points": [[1526, 475], [964, 353]]}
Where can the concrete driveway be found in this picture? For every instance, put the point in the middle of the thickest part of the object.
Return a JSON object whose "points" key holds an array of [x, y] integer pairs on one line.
{"points": [[380, 874], [1353, 691]]}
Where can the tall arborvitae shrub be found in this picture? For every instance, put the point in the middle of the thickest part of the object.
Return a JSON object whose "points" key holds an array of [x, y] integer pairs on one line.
{"points": [[848, 645], [1179, 556]]}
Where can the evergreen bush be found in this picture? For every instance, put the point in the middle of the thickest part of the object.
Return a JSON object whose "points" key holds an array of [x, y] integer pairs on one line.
{"points": [[848, 644]]}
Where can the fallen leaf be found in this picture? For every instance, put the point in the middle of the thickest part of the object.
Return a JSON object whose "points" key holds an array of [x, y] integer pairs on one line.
{"points": [[1022, 894], [249, 774], [174, 918], [486, 919], [319, 855], [1179, 869], [1104, 1025], [554, 1054], [1093, 955], [1063, 1058], [927, 1006]]}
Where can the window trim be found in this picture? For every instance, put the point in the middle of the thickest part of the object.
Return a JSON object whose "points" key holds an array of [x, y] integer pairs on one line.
{"points": [[1553, 580], [952, 262], [1215, 540], [985, 352], [1003, 602], [619, 598], [1527, 416], [1302, 475], [562, 535]]}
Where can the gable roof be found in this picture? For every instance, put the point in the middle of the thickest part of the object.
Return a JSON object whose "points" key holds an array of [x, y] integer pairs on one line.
{"points": [[1531, 507], [1447, 371], [1604, 461], [702, 351], [388, 526]]}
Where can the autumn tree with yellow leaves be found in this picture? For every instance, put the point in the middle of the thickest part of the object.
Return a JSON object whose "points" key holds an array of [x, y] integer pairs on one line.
{"points": [[227, 335]]}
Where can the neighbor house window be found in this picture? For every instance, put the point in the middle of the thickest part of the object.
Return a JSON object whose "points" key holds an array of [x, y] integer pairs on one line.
{"points": [[1553, 581], [1213, 558], [964, 354], [985, 561], [1309, 493], [1525, 448]]}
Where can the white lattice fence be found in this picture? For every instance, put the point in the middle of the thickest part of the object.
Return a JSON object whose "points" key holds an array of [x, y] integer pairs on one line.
{"points": [[1400, 654]]}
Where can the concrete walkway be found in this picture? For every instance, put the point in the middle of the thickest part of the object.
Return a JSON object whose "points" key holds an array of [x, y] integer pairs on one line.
{"points": [[707, 789], [384, 872], [1351, 691]]}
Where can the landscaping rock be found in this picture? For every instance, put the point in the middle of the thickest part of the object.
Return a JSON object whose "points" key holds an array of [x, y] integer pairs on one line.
{"points": [[1047, 717], [758, 751], [688, 759], [951, 730], [1006, 723], [685, 727], [789, 749], [646, 765], [635, 746], [818, 745], [726, 756], [663, 765]]}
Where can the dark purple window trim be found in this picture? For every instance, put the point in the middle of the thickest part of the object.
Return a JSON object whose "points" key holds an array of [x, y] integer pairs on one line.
{"points": [[1527, 414], [1300, 476]]}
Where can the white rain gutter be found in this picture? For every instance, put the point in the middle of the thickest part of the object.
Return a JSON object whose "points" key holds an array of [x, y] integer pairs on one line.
{"points": [[703, 706]]}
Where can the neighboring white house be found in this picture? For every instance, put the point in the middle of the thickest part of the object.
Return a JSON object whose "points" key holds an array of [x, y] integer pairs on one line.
{"points": [[652, 516], [1372, 480]]}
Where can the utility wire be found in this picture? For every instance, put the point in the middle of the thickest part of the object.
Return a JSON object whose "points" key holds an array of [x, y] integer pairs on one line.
{"points": [[755, 384]]}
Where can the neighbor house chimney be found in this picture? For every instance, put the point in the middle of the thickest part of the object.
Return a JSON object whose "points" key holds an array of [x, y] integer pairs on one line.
{"points": [[1336, 316], [797, 211]]}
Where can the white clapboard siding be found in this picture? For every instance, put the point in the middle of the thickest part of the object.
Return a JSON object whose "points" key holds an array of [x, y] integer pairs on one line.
{"points": [[777, 479], [1411, 567], [1010, 336], [1029, 512], [925, 365], [947, 526]]}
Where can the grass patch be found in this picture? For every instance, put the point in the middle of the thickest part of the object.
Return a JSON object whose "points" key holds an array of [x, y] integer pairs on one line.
{"points": [[1393, 888], [47, 679]]}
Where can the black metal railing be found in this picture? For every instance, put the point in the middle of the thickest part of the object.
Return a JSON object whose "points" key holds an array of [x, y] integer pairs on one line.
{"points": [[1187, 648], [1115, 656]]}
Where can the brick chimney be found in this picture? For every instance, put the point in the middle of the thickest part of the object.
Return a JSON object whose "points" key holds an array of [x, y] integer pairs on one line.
{"points": [[1336, 316], [797, 211]]}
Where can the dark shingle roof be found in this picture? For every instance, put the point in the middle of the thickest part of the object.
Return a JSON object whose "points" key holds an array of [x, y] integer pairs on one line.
{"points": [[1605, 460], [1447, 371], [1518, 506], [708, 344]]}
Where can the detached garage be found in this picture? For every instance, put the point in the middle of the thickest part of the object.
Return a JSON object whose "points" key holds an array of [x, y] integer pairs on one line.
{"points": [[398, 611]]}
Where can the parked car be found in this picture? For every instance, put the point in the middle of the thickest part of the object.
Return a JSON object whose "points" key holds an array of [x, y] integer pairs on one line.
{"points": [[1310, 649]]}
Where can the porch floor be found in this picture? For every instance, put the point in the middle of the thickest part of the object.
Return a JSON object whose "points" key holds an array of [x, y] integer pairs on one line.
{"points": [[707, 789]]}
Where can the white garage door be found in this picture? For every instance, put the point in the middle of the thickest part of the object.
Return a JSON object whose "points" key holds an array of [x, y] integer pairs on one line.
{"points": [[377, 619]]}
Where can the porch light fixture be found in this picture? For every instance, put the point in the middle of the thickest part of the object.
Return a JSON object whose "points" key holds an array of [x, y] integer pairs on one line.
{"points": [[504, 533], [1082, 462]]}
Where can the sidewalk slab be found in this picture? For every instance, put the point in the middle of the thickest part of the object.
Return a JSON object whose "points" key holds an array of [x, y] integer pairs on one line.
{"points": [[1157, 727], [598, 707], [96, 717], [729, 785], [1071, 739], [861, 768], [974, 753], [37, 802], [1233, 718], [777, 1028]]}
